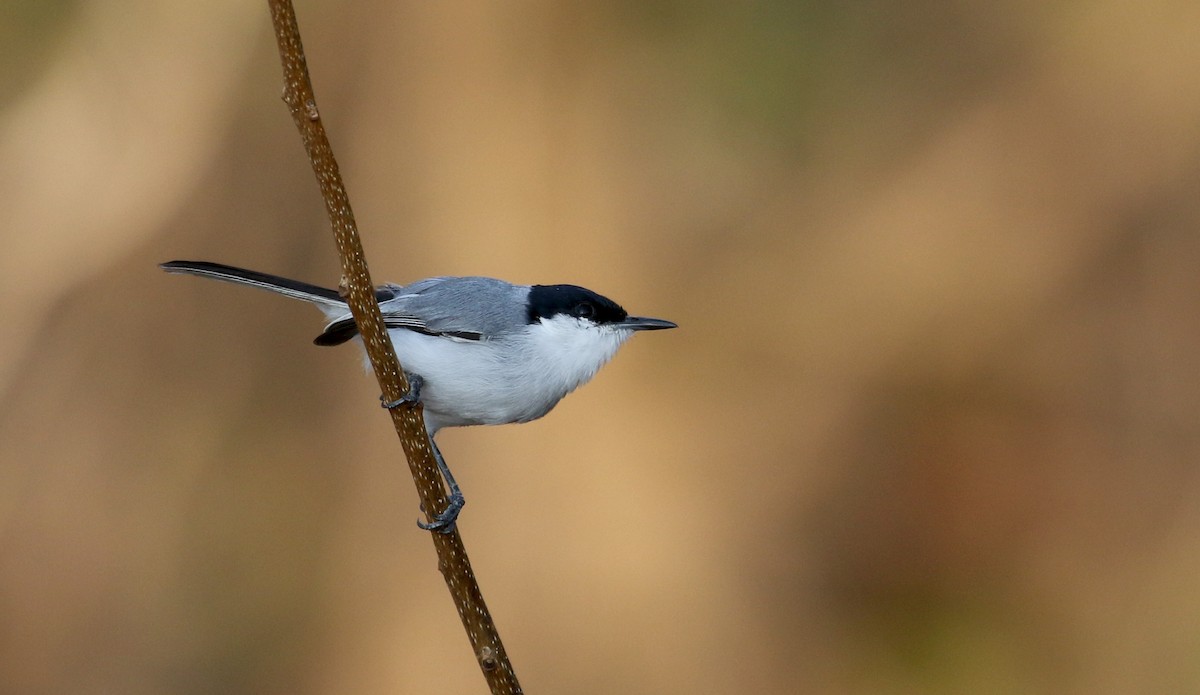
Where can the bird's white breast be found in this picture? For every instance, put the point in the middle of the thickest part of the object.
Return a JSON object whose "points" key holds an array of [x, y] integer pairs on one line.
{"points": [[517, 377]]}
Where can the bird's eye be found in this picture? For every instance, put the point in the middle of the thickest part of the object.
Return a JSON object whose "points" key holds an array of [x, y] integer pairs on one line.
{"points": [[585, 310]]}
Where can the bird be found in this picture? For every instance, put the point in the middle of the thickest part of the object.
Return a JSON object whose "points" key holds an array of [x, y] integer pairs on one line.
{"points": [[475, 350]]}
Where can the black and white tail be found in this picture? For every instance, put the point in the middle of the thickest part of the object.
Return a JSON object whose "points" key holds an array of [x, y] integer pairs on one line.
{"points": [[323, 297]]}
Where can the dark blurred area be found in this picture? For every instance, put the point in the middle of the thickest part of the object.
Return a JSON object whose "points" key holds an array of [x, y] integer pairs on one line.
{"points": [[928, 425]]}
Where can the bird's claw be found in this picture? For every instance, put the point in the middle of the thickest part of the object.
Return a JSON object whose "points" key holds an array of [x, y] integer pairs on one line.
{"points": [[445, 521], [411, 398]]}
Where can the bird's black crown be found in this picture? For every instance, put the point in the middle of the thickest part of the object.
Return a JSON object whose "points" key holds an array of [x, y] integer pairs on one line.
{"points": [[547, 301]]}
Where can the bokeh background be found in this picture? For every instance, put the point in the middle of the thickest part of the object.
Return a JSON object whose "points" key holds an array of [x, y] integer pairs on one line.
{"points": [[929, 424]]}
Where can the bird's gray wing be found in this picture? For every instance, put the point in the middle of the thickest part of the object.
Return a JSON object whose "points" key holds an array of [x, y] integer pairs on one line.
{"points": [[462, 308]]}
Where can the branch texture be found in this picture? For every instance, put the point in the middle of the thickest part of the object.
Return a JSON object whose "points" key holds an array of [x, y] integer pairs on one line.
{"points": [[357, 288]]}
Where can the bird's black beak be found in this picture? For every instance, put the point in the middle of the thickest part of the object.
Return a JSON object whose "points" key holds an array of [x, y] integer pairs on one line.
{"points": [[642, 323]]}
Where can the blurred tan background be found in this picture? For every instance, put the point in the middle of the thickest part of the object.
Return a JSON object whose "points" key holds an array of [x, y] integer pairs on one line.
{"points": [[929, 424]]}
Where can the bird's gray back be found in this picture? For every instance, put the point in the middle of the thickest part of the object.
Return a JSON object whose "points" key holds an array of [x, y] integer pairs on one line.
{"points": [[461, 304]]}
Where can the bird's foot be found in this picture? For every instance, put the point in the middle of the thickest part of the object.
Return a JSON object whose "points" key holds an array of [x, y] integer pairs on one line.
{"points": [[411, 398], [445, 521]]}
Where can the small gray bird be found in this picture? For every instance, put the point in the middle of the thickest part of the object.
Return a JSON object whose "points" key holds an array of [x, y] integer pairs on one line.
{"points": [[476, 351]]}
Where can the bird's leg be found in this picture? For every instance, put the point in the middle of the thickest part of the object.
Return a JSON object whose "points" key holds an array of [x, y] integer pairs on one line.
{"points": [[444, 522], [411, 398]]}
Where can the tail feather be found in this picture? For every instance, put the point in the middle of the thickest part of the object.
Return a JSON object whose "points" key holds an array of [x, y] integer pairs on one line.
{"points": [[321, 296]]}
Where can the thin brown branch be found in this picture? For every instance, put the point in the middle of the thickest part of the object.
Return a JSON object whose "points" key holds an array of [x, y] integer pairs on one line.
{"points": [[357, 288]]}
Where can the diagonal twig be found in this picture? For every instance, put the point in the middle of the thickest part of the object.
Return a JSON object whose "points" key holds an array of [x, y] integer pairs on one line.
{"points": [[357, 288]]}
